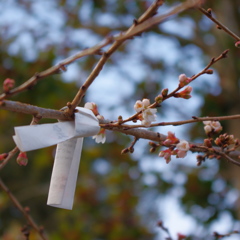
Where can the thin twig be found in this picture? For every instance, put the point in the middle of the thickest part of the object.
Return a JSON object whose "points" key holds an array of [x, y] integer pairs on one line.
{"points": [[156, 104], [228, 158], [24, 211], [174, 123], [222, 26], [10, 155]]}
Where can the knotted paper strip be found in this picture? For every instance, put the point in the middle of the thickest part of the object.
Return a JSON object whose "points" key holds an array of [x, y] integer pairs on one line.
{"points": [[69, 139]]}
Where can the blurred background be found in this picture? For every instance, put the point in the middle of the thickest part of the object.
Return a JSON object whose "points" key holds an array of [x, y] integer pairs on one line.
{"points": [[122, 197]]}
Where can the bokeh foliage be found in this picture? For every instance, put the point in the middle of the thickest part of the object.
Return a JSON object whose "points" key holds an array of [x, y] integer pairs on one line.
{"points": [[113, 189]]}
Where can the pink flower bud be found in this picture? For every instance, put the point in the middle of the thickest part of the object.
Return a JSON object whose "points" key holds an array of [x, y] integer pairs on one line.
{"points": [[237, 44], [171, 138], [3, 156], [185, 93], [183, 80], [8, 84], [181, 236], [181, 154], [166, 154], [145, 102], [22, 159]]}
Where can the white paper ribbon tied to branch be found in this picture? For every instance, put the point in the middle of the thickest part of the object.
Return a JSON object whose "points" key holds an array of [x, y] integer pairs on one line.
{"points": [[69, 139]]}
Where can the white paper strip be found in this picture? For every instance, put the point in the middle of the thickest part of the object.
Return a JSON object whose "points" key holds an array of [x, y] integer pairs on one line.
{"points": [[64, 174], [69, 137]]}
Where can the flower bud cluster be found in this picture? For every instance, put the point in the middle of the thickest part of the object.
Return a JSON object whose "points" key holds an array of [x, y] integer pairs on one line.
{"points": [[184, 94], [177, 147], [212, 127], [147, 115], [224, 140]]}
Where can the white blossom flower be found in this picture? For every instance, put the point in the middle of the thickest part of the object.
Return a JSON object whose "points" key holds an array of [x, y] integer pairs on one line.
{"points": [[138, 106], [183, 145], [149, 116], [207, 129], [92, 106], [216, 125], [212, 126], [100, 137], [206, 122]]}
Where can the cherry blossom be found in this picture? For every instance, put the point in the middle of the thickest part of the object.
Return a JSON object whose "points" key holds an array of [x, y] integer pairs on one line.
{"points": [[148, 114], [212, 126], [100, 137], [182, 147], [92, 106]]}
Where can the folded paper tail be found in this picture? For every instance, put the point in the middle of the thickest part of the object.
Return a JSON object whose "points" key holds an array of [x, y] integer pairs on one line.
{"points": [[64, 174]]}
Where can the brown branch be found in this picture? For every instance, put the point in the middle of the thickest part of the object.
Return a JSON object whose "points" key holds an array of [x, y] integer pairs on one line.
{"points": [[219, 24], [55, 69], [33, 110], [228, 158], [24, 211]]}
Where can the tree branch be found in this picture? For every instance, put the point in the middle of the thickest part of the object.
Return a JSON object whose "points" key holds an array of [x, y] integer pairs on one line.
{"points": [[219, 24], [24, 211]]}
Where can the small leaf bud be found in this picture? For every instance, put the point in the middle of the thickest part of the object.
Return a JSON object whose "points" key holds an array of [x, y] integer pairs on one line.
{"points": [[207, 143], [209, 10], [209, 71], [159, 98], [164, 92]]}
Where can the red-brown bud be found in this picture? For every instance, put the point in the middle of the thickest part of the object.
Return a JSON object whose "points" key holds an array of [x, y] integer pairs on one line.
{"points": [[8, 84], [22, 159]]}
